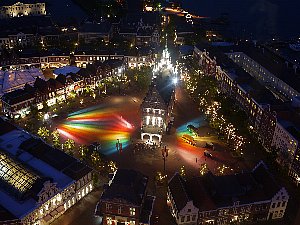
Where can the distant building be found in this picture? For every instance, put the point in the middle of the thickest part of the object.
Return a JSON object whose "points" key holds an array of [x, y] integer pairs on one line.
{"points": [[19, 9], [157, 108], [19, 103], [125, 200], [249, 94], [92, 32], [141, 29], [38, 182], [183, 32], [269, 99], [286, 140], [132, 59], [245, 197], [271, 70]]}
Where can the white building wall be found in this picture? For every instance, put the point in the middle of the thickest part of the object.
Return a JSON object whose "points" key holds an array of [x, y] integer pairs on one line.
{"points": [[189, 214], [278, 204], [284, 141], [262, 74], [20, 9]]}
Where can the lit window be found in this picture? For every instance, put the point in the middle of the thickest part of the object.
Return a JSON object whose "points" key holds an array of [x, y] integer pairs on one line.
{"points": [[132, 211], [108, 207]]}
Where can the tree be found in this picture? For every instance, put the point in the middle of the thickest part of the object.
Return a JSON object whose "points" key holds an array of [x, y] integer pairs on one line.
{"points": [[203, 169], [56, 139], [142, 76], [83, 151], [44, 133], [95, 157], [112, 167], [45, 106], [182, 171], [34, 111], [69, 145]]}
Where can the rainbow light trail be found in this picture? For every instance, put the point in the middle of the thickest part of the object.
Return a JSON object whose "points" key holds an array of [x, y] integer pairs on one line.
{"points": [[98, 123], [187, 151]]}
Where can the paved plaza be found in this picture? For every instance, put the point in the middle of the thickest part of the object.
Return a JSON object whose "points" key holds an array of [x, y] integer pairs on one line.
{"points": [[101, 123]]}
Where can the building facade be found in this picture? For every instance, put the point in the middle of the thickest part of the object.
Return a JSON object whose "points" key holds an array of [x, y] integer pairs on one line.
{"points": [[227, 199], [263, 75], [158, 104], [19, 103], [22, 9], [38, 182], [125, 200], [252, 97], [275, 128]]}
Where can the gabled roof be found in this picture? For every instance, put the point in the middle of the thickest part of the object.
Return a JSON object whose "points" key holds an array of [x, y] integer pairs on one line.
{"points": [[165, 87], [153, 99], [178, 190], [127, 185], [17, 96], [211, 192]]}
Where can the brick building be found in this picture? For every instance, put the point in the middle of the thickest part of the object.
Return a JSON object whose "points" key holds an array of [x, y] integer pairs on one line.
{"points": [[125, 200]]}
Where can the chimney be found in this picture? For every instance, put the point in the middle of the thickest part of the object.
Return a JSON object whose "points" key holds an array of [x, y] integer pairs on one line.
{"points": [[295, 67]]}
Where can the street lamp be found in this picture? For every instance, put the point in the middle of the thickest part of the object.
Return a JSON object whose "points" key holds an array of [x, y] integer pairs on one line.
{"points": [[164, 152]]}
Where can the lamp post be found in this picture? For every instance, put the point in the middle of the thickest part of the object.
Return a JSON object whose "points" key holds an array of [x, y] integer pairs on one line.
{"points": [[164, 152]]}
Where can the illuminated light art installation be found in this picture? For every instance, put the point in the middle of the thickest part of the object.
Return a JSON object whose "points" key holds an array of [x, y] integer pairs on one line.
{"points": [[99, 124], [188, 152]]}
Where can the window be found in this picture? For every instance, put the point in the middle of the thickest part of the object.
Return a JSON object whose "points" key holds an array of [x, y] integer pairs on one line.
{"points": [[282, 204], [193, 217], [182, 219], [273, 205], [188, 218], [119, 209], [132, 211], [108, 207], [189, 210]]}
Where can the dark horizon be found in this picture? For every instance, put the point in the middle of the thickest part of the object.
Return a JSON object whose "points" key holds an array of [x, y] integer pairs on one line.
{"points": [[260, 19]]}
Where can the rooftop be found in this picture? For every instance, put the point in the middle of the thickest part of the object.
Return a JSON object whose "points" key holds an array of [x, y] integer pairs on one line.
{"points": [[257, 91], [127, 185], [16, 79], [211, 192], [66, 70], [272, 62], [26, 164]]}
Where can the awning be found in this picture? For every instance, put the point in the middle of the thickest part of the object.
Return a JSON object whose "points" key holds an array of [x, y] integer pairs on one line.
{"points": [[47, 218], [60, 208]]}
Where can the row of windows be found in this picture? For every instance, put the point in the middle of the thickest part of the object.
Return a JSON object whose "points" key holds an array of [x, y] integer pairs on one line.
{"points": [[278, 204], [132, 210], [188, 218]]}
